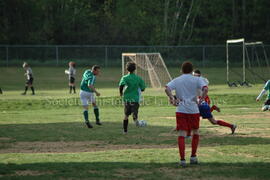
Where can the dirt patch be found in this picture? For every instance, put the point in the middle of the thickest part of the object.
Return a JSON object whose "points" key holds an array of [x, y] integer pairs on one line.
{"points": [[4, 139], [31, 173], [71, 147], [131, 173], [167, 117]]}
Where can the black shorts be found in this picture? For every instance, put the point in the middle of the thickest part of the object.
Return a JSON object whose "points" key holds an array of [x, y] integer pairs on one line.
{"points": [[132, 108], [72, 80], [267, 102], [30, 81]]}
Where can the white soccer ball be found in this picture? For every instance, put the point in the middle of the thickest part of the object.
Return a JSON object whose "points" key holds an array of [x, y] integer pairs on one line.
{"points": [[66, 71], [142, 123]]}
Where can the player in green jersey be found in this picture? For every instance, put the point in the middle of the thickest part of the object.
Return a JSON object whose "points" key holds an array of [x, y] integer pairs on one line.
{"points": [[87, 93], [266, 88], [133, 85]]}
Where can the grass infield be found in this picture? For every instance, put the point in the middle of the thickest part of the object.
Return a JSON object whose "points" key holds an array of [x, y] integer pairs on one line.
{"points": [[44, 137]]}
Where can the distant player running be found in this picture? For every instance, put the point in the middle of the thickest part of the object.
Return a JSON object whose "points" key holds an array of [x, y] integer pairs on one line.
{"points": [[266, 88], [29, 77], [186, 88], [87, 93], [134, 85], [206, 111], [71, 76]]}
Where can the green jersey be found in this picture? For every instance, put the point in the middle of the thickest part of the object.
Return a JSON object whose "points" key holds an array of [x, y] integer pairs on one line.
{"points": [[88, 78], [267, 88], [133, 85]]}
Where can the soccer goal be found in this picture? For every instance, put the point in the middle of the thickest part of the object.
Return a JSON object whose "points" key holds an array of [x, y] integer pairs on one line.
{"points": [[246, 62], [150, 67]]}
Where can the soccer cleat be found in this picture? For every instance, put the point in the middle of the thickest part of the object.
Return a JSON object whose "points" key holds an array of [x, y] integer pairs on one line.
{"points": [[183, 163], [88, 125], [24, 93], [124, 132], [98, 123], [194, 160], [233, 128], [265, 108]]}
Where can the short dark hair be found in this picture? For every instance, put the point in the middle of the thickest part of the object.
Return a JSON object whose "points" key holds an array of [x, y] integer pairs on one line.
{"points": [[95, 67], [131, 67], [197, 71], [187, 67]]}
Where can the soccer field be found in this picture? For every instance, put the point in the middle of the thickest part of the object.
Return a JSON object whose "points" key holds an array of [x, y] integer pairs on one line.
{"points": [[44, 136]]}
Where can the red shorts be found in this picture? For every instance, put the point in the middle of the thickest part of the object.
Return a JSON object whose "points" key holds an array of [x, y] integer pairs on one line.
{"points": [[187, 122]]}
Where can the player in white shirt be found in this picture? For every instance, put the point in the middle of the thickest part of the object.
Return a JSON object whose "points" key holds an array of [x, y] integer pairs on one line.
{"points": [[29, 77], [186, 88], [71, 76]]}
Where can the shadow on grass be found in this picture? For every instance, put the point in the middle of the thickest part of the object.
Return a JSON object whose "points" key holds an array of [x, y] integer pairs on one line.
{"points": [[134, 170], [111, 133]]}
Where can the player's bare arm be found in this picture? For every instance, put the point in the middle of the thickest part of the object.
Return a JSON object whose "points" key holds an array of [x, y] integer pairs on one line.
{"points": [[121, 88], [171, 97], [94, 90]]}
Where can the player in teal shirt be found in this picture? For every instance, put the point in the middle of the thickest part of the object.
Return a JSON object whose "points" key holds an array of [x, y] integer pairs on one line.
{"points": [[266, 88], [87, 93], [133, 85]]}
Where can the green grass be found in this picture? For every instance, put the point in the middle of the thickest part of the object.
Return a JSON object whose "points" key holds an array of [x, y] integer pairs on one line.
{"points": [[43, 136]]}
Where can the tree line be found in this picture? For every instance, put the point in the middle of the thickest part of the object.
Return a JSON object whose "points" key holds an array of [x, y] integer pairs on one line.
{"points": [[133, 22]]}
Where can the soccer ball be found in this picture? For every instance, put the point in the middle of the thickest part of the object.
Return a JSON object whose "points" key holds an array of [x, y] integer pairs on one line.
{"points": [[66, 71], [142, 123]]}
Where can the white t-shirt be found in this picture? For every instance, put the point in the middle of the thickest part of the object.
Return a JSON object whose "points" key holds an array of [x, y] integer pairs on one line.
{"points": [[186, 88], [71, 72], [29, 73]]}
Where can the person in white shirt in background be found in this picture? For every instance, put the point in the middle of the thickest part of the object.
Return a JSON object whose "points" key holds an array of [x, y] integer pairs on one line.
{"points": [[71, 76], [29, 78]]}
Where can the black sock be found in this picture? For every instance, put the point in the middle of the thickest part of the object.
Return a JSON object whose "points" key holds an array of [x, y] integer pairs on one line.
{"points": [[125, 125], [74, 89], [26, 88], [1, 92], [33, 90], [70, 89]]}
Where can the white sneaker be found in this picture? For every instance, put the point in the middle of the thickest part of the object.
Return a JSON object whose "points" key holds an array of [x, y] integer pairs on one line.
{"points": [[233, 128], [265, 108], [194, 160], [183, 163]]}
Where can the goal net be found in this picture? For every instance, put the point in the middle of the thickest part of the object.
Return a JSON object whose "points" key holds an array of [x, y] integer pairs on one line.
{"points": [[246, 62], [150, 67]]}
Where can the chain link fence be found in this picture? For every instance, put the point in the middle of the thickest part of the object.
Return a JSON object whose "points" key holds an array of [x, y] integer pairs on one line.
{"points": [[109, 56]]}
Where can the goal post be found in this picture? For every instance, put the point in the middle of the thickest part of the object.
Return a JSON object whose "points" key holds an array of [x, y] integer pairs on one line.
{"points": [[253, 59], [150, 67], [236, 41]]}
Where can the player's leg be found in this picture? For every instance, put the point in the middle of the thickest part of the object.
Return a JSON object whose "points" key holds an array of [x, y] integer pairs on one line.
{"points": [[26, 87], [181, 147], [194, 123], [96, 112], [223, 123], [194, 146], [1, 92], [84, 96], [214, 107], [135, 110], [127, 112], [182, 128], [31, 86], [72, 85]]}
